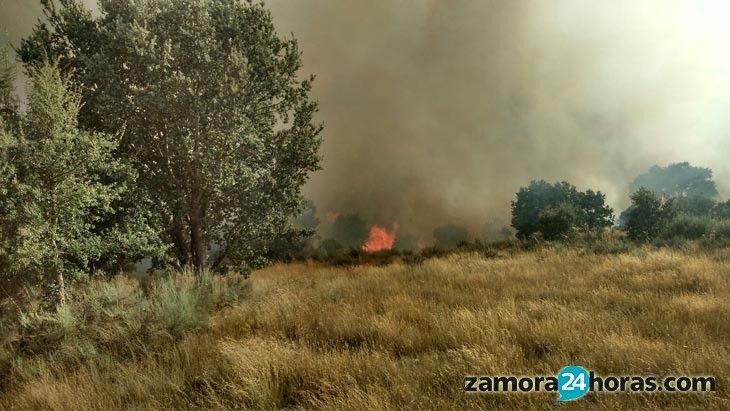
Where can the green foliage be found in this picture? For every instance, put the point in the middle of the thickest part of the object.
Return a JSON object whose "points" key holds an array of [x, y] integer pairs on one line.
{"points": [[289, 245], [8, 100], [686, 228], [719, 236], [58, 186], [8, 142], [610, 241], [298, 240], [694, 205], [108, 319], [179, 308], [648, 215], [555, 209], [215, 115], [307, 217], [557, 221], [721, 211], [677, 180]]}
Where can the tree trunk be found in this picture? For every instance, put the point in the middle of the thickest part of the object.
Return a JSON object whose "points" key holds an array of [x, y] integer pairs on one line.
{"points": [[58, 269], [180, 238], [60, 283], [198, 246]]}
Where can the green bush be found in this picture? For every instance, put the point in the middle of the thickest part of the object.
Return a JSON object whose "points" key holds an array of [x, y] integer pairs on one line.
{"points": [[648, 215], [719, 236], [557, 221], [179, 305], [686, 227], [108, 319]]}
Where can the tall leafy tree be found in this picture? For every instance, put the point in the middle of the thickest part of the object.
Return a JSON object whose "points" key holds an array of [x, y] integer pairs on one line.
{"points": [[214, 113], [677, 180], [60, 184]]}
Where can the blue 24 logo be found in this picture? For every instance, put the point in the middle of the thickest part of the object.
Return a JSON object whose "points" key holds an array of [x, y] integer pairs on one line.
{"points": [[573, 383]]}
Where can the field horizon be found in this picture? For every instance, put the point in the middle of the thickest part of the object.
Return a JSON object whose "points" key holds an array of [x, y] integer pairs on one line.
{"points": [[404, 336]]}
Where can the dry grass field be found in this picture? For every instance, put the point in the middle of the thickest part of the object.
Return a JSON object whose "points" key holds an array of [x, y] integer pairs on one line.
{"points": [[308, 336]]}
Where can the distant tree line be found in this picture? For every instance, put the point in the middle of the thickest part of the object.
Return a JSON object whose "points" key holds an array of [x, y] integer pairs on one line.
{"points": [[669, 205]]}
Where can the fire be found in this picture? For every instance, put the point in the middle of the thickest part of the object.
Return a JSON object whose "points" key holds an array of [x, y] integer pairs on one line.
{"points": [[380, 239]]}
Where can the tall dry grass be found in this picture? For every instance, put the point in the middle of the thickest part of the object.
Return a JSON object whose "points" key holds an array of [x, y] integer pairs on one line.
{"points": [[400, 336]]}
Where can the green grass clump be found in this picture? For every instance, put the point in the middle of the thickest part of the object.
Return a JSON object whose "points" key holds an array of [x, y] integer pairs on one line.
{"points": [[107, 321]]}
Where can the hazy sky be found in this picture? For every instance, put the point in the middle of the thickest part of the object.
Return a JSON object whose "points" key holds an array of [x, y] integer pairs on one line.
{"points": [[438, 111]]}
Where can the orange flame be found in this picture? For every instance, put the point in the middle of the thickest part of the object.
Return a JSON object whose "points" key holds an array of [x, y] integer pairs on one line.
{"points": [[380, 239]]}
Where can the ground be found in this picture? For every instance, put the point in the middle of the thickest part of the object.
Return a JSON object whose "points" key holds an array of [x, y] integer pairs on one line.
{"points": [[404, 336]]}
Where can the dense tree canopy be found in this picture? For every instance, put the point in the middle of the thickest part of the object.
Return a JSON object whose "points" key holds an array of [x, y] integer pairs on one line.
{"points": [[212, 110], [60, 185], [648, 215], [555, 209], [677, 180]]}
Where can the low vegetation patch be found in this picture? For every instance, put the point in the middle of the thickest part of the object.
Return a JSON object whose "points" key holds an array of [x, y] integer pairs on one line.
{"points": [[396, 336], [107, 322]]}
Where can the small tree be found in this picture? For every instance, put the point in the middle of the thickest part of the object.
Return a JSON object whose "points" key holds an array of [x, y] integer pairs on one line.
{"points": [[57, 190], [648, 215]]}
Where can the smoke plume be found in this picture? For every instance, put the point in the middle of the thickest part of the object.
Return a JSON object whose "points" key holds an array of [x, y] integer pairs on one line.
{"points": [[436, 112]]}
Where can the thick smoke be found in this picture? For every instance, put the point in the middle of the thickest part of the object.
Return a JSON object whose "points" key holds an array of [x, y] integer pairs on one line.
{"points": [[436, 112]]}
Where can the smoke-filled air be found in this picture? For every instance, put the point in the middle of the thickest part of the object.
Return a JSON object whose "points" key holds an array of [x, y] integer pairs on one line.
{"points": [[437, 112]]}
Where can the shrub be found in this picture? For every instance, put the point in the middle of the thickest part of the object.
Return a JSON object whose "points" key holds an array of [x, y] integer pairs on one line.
{"points": [[694, 205], [647, 215], [721, 210], [686, 227], [179, 305], [107, 319], [719, 236]]}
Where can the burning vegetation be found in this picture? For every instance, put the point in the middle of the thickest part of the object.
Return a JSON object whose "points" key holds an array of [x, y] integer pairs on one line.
{"points": [[380, 239]]}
